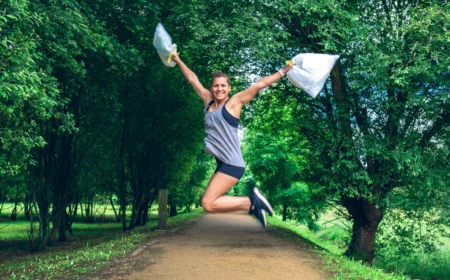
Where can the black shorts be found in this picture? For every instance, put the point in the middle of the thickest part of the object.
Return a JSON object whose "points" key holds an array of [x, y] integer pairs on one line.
{"points": [[228, 169]]}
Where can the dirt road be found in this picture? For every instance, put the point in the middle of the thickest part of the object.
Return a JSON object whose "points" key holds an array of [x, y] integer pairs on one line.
{"points": [[226, 246]]}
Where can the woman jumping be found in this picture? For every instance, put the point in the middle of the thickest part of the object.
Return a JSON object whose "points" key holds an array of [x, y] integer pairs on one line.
{"points": [[221, 118]]}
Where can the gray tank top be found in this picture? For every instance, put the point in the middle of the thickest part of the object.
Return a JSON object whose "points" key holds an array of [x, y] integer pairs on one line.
{"points": [[222, 140]]}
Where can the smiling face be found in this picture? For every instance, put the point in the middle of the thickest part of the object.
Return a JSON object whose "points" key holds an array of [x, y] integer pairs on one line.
{"points": [[220, 88]]}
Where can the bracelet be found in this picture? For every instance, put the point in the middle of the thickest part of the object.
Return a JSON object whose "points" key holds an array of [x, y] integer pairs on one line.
{"points": [[281, 73]]}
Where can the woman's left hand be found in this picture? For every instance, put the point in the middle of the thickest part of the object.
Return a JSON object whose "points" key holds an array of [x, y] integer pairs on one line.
{"points": [[289, 65]]}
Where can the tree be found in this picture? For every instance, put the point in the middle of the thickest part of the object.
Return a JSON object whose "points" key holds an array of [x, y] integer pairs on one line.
{"points": [[27, 92], [384, 111]]}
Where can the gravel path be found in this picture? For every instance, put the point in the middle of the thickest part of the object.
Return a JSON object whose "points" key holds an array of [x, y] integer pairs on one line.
{"points": [[227, 246]]}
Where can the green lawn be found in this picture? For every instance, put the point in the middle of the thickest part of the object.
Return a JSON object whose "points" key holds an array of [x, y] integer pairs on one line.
{"points": [[14, 235], [92, 247]]}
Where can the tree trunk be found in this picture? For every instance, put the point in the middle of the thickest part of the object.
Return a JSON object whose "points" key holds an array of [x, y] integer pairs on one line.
{"points": [[27, 208], [140, 201], [75, 210], [366, 219], [2, 200], [143, 214], [82, 212], [62, 237], [284, 212], [173, 210], [114, 208], [162, 209], [13, 216], [1, 205], [61, 190], [87, 211], [43, 217], [366, 216], [90, 208], [121, 182], [70, 216], [40, 190]]}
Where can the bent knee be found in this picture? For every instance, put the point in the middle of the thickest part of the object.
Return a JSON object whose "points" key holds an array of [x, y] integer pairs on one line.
{"points": [[207, 205]]}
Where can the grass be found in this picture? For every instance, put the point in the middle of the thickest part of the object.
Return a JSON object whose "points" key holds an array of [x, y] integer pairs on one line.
{"points": [[420, 266], [333, 237], [14, 234], [19, 230], [91, 255], [342, 267], [345, 268], [96, 245], [14, 230]]}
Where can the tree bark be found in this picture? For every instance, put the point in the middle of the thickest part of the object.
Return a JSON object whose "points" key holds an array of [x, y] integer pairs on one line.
{"points": [[162, 209], [61, 189], [284, 212], [41, 191], [27, 208], [173, 210], [366, 219], [121, 181], [143, 213], [114, 208], [13, 215], [365, 214]]}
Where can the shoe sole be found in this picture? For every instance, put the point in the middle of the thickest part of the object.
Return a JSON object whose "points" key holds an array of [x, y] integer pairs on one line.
{"points": [[264, 217], [264, 200]]}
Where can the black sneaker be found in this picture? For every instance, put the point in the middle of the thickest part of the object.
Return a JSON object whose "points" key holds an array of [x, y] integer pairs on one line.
{"points": [[260, 202], [260, 214]]}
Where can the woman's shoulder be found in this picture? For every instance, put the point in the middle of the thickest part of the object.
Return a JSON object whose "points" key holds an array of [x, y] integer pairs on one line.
{"points": [[208, 97], [234, 106]]}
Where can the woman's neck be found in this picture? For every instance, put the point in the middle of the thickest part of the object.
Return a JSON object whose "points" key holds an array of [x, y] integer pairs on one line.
{"points": [[218, 103]]}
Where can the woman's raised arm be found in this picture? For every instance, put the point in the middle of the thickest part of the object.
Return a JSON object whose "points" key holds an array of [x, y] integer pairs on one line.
{"points": [[191, 77], [247, 95]]}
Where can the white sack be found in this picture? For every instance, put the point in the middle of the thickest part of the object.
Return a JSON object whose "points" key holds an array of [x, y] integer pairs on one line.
{"points": [[163, 44], [310, 71]]}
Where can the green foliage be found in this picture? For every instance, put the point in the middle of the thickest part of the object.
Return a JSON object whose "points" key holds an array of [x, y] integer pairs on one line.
{"points": [[419, 265], [423, 210], [279, 158], [229, 35], [187, 194], [27, 92], [245, 185]]}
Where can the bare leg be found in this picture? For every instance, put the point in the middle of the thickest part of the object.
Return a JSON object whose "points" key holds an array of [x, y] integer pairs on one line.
{"points": [[214, 201]]}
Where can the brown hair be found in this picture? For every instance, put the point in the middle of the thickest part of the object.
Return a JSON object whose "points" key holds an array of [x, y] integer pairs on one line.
{"points": [[220, 74]]}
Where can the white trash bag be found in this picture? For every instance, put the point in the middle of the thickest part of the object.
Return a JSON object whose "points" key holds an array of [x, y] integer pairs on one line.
{"points": [[310, 71], [163, 44]]}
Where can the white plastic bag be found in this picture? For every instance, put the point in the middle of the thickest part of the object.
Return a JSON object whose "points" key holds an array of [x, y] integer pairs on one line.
{"points": [[163, 44], [310, 71]]}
